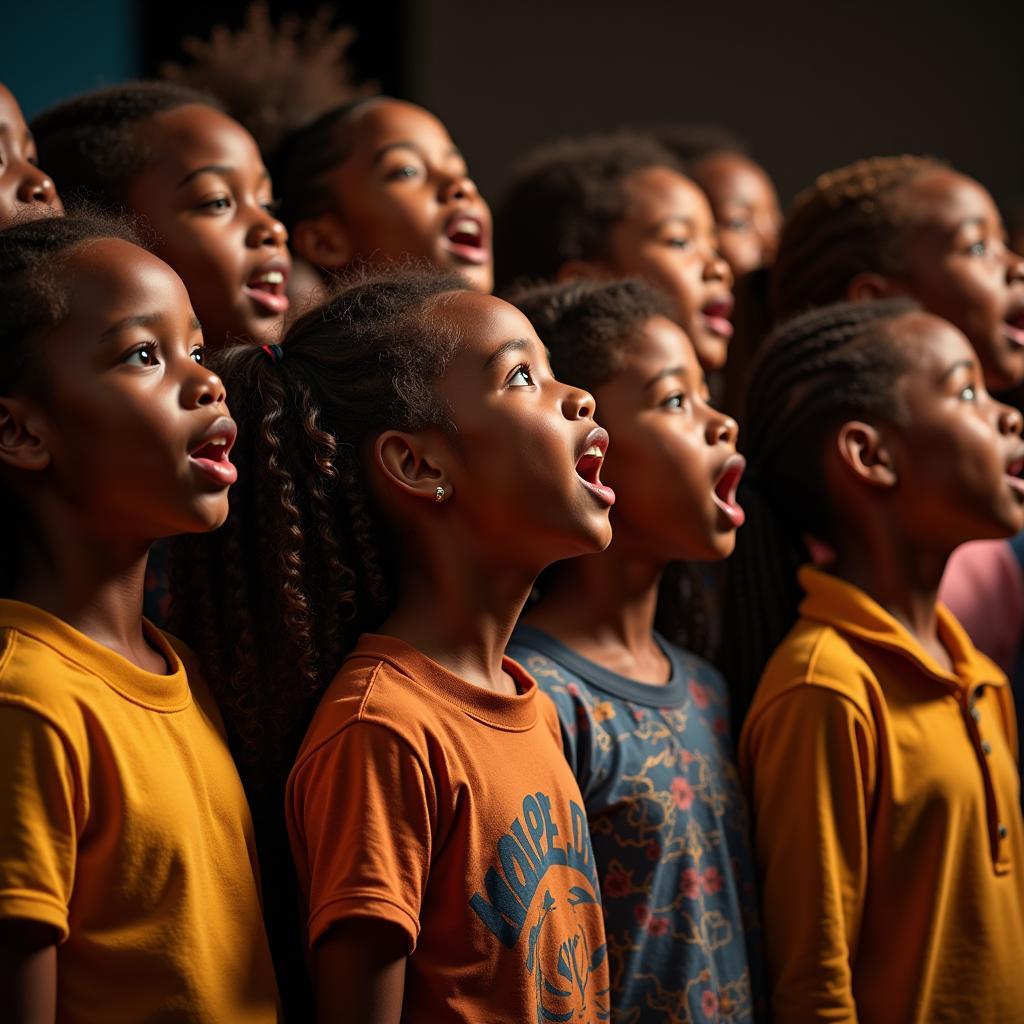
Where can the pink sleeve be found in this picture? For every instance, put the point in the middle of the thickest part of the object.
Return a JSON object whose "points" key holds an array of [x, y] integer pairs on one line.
{"points": [[984, 588]]}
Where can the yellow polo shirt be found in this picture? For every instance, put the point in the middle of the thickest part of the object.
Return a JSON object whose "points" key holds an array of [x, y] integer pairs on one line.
{"points": [[888, 831], [123, 826]]}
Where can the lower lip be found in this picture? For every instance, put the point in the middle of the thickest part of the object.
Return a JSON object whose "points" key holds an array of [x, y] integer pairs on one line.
{"points": [[276, 304], [1015, 334], [602, 491], [1016, 484], [733, 513], [223, 472], [717, 325], [475, 254]]}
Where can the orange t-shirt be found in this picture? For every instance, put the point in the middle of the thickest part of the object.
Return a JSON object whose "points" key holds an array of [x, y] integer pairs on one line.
{"points": [[449, 810]]}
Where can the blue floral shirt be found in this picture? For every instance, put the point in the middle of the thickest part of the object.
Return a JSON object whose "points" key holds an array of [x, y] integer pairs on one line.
{"points": [[669, 827]]}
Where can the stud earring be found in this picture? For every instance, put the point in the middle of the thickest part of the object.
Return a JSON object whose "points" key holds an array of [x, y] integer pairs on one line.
{"points": [[439, 494]]}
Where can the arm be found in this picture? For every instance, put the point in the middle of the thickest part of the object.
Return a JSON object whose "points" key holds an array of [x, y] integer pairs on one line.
{"points": [[359, 972], [28, 972], [809, 760]]}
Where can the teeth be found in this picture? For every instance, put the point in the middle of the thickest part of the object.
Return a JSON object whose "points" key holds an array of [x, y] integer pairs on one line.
{"points": [[270, 277], [465, 226], [595, 451]]}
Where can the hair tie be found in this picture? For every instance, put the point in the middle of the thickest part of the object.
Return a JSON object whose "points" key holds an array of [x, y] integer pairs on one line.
{"points": [[275, 353]]}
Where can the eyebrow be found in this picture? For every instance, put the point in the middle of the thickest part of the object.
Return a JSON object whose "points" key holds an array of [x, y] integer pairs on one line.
{"points": [[408, 144], [676, 218], [143, 320], [670, 371], [216, 169], [969, 364], [515, 345]]}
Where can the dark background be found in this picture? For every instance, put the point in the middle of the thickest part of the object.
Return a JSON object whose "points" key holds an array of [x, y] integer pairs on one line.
{"points": [[809, 85]]}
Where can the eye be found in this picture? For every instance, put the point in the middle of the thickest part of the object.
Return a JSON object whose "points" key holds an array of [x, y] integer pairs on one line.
{"points": [[271, 206], [198, 355], [977, 248], [676, 402], [521, 377], [403, 173], [216, 204], [737, 224], [968, 393], [678, 243], [143, 355]]}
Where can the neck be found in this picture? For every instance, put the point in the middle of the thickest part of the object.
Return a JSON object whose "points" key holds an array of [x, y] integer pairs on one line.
{"points": [[91, 583], [902, 578], [604, 606], [460, 611]]}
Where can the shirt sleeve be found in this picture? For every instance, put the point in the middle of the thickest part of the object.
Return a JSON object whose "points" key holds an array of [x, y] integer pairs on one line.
{"points": [[38, 826], [366, 811], [809, 760]]}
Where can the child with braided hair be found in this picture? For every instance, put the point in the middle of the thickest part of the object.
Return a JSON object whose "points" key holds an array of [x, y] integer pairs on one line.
{"points": [[879, 751], [408, 466]]}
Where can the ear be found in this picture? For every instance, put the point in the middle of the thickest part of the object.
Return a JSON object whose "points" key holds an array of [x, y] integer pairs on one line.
{"points": [[868, 286], [408, 463], [21, 437], [323, 241], [863, 450], [576, 270]]}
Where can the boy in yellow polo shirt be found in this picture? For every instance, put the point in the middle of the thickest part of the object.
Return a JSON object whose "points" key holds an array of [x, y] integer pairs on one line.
{"points": [[880, 748]]}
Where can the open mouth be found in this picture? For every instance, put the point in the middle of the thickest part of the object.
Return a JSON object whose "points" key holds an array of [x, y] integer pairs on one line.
{"points": [[1015, 475], [1013, 327], [588, 466], [266, 287], [723, 493], [715, 316], [466, 238], [211, 454]]}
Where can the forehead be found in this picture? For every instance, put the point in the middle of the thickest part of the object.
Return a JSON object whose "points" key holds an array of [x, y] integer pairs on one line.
{"points": [[658, 344], [110, 279], [944, 197], [387, 122], [483, 323], [732, 176], [10, 114], [196, 135], [933, 344], [658, 193]]}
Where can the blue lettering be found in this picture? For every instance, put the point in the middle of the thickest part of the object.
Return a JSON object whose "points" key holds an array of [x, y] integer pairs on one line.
{"points": [[513, 856], [555, 854], [504, 915]]}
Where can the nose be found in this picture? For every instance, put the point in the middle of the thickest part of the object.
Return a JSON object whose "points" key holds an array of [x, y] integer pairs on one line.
{"points": [[36, 187], [716, 269], [460, 187], [1014, 266], [202, 387], [1010, 420], [721, 429], [266, 230], [578, 404]]}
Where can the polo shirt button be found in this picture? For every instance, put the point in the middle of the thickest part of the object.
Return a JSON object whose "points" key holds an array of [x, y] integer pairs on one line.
{"points": [[986, 747], [1003, 831], [976, 714]]}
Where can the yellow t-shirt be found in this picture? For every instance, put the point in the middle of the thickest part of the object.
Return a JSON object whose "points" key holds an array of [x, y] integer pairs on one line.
{"points": [[887, 827], [123, 825]]}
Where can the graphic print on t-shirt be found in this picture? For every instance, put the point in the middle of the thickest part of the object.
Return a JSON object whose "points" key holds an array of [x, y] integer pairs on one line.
{"points": [[542, 897]]}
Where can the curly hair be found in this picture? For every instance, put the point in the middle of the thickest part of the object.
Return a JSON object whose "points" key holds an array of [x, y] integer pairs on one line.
{"points": [[587, 327], [825, 367], [849, 221], [690, 143], [563, 200], [34, 299], [303, 565], [92, 145]]}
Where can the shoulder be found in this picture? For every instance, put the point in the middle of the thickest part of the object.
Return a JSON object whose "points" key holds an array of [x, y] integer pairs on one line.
{"points": [[31, 676], [816, 658]]}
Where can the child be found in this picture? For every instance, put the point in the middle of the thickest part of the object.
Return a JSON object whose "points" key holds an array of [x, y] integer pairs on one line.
{"points": [[410, 464], [618, 206], [379, 180], [26, 192], [127, 874], [912, 226], [880, 748], [645, 724], [196, 179], [742, 196]]}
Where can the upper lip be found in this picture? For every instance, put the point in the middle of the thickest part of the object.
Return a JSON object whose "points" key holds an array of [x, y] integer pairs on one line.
{"points": [[222, 429], [731, 462], [1015, 314], [1015, 464], [597, 438], [721, 306], [452, 224], [280, 265]]}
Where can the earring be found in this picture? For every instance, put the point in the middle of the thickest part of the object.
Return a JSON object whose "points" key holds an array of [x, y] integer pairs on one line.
{"points": [[439, 494]]}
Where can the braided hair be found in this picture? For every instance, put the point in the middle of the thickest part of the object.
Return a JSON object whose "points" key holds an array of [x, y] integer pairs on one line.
{"points": [[33, 300], [849, 221], [92, 145], [816, 372], [564, 199], [587, 326], [275, 599]]}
